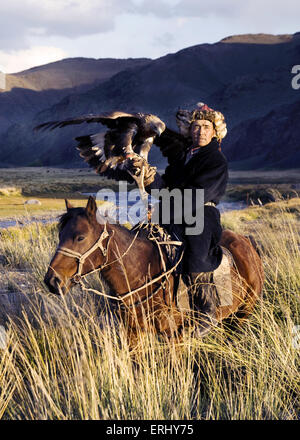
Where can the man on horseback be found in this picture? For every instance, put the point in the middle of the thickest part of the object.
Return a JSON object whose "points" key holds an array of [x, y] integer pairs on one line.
{"points": [[201, 166]]}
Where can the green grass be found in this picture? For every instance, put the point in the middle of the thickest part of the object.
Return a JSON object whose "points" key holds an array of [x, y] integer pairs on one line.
{"points": [[51, 186], [47, 182], [15, 207], [67, 358]]}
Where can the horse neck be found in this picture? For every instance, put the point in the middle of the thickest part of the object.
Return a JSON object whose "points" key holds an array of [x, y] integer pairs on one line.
{"points": [[132, 260]]}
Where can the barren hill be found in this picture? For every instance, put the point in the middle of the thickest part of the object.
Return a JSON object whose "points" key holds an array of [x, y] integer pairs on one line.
{"points": [[70, 73], [247, 81], [30, 91], [258, 39]]}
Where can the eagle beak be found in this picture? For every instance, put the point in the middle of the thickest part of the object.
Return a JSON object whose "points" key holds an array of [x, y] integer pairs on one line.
{"points": [[158, 131]]}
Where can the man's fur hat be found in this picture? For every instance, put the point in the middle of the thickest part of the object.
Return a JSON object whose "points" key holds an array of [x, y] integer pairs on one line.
{"points": [[184, 119]]}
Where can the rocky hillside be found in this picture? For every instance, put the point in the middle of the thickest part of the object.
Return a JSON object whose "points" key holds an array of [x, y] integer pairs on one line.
{"points": [[247, 77], [70, 73], [30, 91], [274, 140]]}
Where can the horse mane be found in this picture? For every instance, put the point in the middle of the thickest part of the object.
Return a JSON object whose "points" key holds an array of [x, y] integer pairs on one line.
{"points": [[74, 212], [67, 216]]}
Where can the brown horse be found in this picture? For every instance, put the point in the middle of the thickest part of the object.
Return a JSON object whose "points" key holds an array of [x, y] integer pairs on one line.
{"points": [[134, 269]]}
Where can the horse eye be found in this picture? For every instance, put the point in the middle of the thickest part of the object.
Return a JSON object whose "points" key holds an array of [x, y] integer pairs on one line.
{"points": [[80, 238]]}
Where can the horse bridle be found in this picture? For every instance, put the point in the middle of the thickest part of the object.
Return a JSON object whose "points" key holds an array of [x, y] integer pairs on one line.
{"points": [[76, 278]]}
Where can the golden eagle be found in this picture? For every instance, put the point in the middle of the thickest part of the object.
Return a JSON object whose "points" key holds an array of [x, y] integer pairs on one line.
{"points": [[128, 134]]}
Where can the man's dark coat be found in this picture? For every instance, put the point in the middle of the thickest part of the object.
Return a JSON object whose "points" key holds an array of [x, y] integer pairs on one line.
{"points": [[207, 169]]}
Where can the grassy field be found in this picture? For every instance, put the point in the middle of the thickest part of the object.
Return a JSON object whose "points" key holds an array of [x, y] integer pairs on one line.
{"points": [[67, 358], [52, 185]]}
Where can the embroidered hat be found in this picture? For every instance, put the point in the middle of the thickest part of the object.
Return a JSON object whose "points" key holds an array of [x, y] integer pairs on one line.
{"points": [[184, 119]]}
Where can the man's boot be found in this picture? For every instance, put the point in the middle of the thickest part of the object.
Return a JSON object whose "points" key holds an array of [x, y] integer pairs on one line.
{"points": [[203, 302]]}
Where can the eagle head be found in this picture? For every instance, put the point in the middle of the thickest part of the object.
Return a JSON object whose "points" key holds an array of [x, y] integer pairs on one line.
{"points": [[157, 126]]}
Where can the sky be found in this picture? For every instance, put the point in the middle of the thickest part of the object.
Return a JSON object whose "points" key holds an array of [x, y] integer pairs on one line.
{"points": [[36, 32]]}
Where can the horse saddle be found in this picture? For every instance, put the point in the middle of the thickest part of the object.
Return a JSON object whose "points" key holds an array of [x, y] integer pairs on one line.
{"points": [[173, 248], [221, 278]]}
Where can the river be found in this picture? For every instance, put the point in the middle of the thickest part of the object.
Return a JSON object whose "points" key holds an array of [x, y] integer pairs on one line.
{"points": [[130, 208]]}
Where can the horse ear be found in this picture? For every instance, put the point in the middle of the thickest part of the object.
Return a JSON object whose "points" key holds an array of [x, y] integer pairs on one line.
{"points": [[91, 206], [68, 205]]}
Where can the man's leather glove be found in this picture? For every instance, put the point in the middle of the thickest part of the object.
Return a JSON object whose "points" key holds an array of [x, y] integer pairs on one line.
{"points": [[149, 176], [135, 165]]}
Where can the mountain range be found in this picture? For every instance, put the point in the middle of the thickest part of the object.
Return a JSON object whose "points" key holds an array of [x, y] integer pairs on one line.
{"points": [[246, 77]]}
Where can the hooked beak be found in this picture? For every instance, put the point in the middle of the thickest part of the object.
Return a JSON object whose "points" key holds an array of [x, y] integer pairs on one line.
{"points": [[159, 131]]}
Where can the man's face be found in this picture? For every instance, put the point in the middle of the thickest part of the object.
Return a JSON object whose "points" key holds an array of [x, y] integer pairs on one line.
{"points": [[202, 132]]}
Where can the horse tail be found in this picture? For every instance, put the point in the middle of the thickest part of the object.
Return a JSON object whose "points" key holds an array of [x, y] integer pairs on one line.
{"points": [[254, 244]]}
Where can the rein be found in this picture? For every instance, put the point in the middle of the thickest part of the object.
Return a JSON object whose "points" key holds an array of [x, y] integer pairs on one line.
{"points": [[78, 276], [132, 292]]}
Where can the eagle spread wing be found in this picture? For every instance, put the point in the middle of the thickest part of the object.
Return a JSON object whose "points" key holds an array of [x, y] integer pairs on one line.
{"points": [[172, 144], [127, 134]]}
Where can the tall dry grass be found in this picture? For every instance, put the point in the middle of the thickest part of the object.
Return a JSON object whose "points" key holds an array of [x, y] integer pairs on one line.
{"points": [[69, 358]]}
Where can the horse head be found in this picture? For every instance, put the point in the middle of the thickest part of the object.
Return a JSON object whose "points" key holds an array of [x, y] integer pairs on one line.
{"points": [[81, 247]]}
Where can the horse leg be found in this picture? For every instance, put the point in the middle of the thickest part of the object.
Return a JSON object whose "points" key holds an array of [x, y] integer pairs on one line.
{"points": [[249, 267], [242, 314], [236, 322]]}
